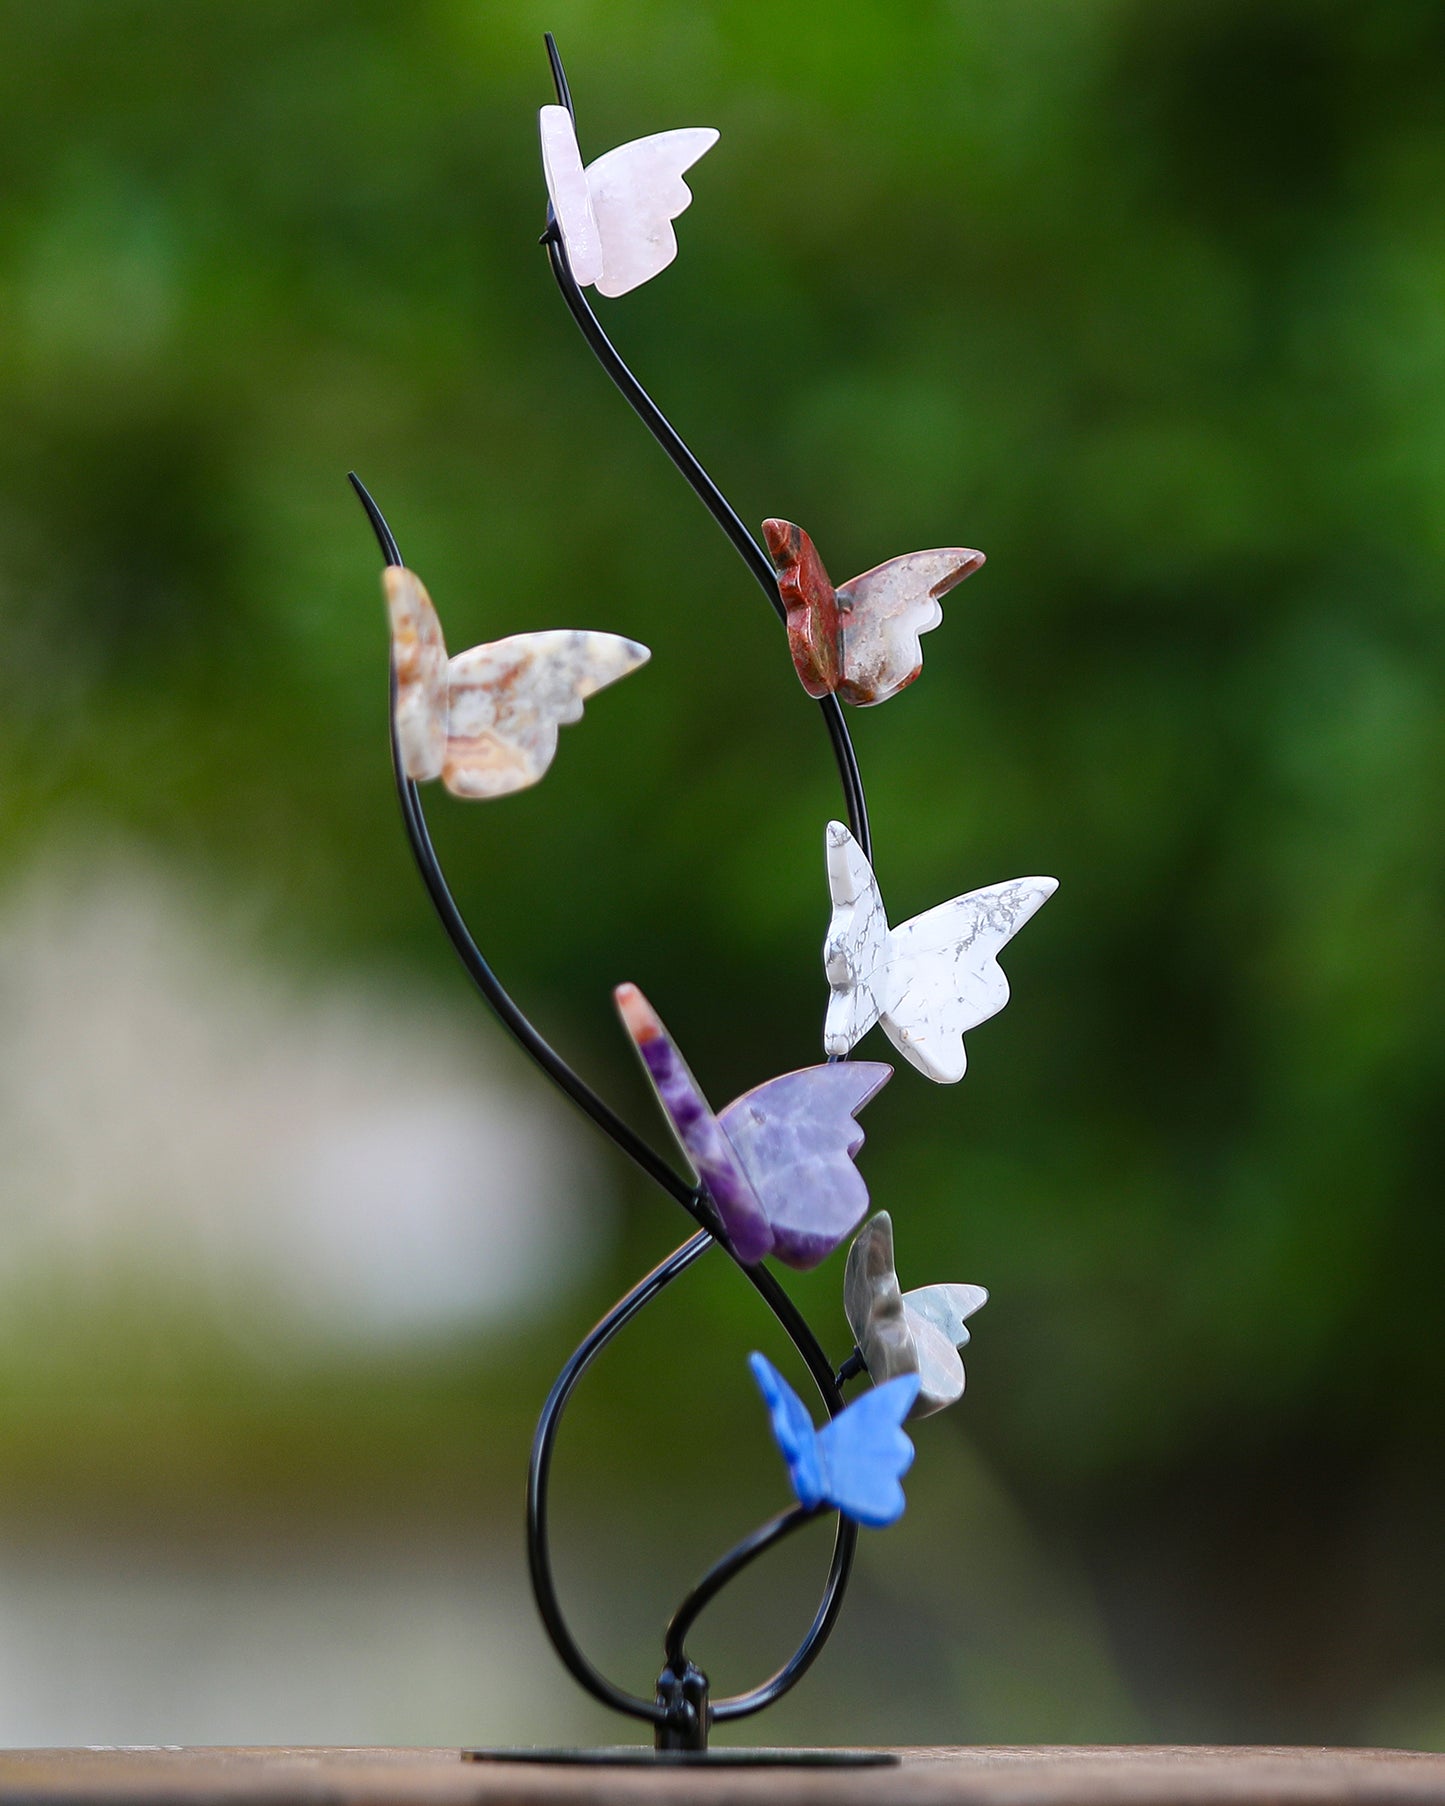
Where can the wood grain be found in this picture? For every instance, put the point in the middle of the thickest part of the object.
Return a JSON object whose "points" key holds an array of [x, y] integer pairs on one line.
{"points": [[997, 1776]]}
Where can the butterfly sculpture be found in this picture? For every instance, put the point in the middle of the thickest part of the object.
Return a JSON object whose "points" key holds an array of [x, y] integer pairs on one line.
{"points": [[921, 1332], [485, 722], [926, 982], [616, 215], [861, 640], [857, 1461], [777, 1163]]}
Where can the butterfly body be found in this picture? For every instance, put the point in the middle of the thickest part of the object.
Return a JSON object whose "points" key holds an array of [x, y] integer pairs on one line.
{"points": [[856, 1462], [815, 632], [860, 640], [486, 721], [921, 1332], [778, 1162], [615, 215], [419, 660], [926, 982]]}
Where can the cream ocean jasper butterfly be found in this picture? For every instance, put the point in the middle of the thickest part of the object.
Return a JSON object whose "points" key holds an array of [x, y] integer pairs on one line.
{"points": [[485, 722]]}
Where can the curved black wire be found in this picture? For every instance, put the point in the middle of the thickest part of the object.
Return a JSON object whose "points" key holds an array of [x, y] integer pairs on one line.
{"points": [[721, 1572], [538, 1551], [482, 975], [692, 1199], [712, 498], [740, 1705]]}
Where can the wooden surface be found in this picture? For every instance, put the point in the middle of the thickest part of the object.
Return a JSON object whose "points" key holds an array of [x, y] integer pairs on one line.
{"points": [[980, 1777]]}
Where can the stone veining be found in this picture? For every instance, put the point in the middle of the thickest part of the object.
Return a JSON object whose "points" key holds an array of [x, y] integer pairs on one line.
{"points": [[927, 982], [486, 721], [862, 638], [778, 1162]]}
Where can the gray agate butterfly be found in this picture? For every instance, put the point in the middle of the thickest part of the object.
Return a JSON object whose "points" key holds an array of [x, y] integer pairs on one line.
{"points": [[921, 1332]]}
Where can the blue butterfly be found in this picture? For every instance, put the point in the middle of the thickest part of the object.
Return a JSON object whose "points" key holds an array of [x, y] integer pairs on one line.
{"points": [[857, 1461]]}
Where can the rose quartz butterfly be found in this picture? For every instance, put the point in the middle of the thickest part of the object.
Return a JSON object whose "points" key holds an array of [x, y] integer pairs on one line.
{"points": [[616, 215]]}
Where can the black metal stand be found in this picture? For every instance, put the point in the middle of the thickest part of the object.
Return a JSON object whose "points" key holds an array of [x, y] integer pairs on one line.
{"points": [[681, 1712], [627, 1755]]}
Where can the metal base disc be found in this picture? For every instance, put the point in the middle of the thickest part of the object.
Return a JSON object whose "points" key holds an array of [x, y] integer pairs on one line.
{"points": [[627, 1755]]}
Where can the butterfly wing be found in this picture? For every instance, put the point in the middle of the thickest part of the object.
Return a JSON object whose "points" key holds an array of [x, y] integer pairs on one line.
{"points": [[935, 1314], [796, 1139], [884, 612], [636, 192], [793, 1431], [419, 659], [568, 192], [863, 1454], [855, 953], [506, 700], [939, 1366], [946, 1307], [873, 1303], [712, 1154], [943, 975], [815, 637]]}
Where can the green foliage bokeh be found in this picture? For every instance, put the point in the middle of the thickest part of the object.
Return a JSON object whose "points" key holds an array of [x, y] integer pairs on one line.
{"points": [[1148, 301]]}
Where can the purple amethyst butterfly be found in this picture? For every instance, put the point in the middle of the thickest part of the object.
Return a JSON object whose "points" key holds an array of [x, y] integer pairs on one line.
{"points": [[857, 1462], [777, 1163]]}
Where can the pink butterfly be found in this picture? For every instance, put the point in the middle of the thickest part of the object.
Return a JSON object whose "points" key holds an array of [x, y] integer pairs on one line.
{"points": [[615, 215]]}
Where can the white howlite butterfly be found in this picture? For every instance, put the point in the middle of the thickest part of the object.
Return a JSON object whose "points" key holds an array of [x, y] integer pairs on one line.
{"points": [[485, 722], [929, 981], [616, 215]]}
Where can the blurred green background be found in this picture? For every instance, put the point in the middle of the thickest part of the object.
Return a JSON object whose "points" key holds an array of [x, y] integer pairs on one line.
{"points": [[1144, 297]]}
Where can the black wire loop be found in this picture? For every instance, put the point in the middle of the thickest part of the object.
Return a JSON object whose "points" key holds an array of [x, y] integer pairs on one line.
{"points": [[691, 1198], [482, 975], [765, 1537]]}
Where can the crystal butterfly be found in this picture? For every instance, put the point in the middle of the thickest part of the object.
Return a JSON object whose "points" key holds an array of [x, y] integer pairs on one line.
{"points": [[777, 1163], [920, 1332], [485, 722], [861, 639], [928, 981], [616, 215], [857, 1461]]}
